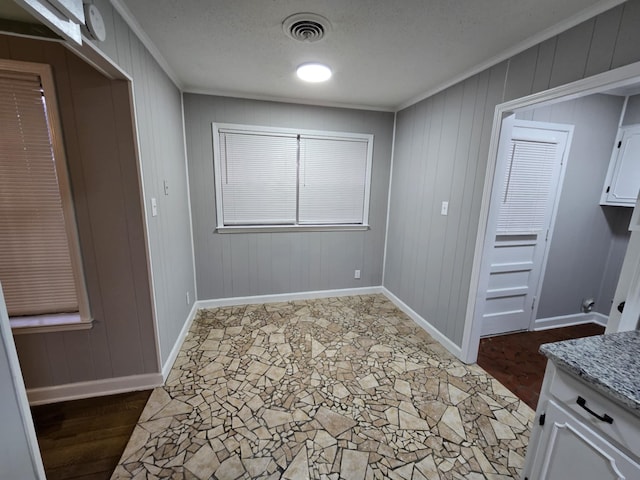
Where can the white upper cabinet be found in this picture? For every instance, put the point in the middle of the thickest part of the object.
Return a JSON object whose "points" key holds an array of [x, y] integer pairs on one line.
{"points": [[623, 177]]}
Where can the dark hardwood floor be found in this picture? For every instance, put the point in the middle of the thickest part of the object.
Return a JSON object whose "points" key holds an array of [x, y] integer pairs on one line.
{"points": [[514, 359], [84, 439]]}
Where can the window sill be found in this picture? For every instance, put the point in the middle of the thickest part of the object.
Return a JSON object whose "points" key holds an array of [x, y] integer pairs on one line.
{"points": [[60, 322], [291, 228]]}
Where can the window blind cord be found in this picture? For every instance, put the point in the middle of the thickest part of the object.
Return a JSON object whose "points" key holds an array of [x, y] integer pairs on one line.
{"points": [[506, 190], [298, 180]]}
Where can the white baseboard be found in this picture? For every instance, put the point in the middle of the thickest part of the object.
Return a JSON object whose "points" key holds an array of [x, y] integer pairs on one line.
{"points": [[110, 386], [599, 318], [570, 320], [168, 365], [93, 388], [430, 329], [287, 297], [253, 300], [345, 292]]}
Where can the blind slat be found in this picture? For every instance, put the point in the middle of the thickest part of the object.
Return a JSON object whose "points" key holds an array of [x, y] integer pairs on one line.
{"points": [[35, 261], [332, 181], [272, 177], [527, 187], [259, 179]]}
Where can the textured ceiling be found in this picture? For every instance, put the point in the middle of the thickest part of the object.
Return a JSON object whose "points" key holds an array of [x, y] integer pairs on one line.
{"points": [[384, 53]]}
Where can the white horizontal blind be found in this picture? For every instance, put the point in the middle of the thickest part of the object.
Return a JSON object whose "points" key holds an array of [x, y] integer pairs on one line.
{"points": [[527, 187], [332, 180], [35, 263], [258, 178]]}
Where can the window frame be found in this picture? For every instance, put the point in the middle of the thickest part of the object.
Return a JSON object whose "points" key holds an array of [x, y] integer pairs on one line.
{"points": [[53, 322], [217, 127]]}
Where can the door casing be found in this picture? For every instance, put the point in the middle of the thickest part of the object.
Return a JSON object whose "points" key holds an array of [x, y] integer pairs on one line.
{"points": [[620, 77]]}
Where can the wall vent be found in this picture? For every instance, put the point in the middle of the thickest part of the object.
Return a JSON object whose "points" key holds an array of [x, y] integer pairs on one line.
{"points": [[306, 27]]}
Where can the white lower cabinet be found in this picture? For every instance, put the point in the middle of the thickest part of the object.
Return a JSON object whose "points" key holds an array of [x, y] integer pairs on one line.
{"points": [[569, 442], [572, 451]]}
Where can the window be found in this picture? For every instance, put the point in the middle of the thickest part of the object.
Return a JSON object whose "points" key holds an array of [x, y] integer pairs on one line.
{"points": [[40, 267], [285, 178]]}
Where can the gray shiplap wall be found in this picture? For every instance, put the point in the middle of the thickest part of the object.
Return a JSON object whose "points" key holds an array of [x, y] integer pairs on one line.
{"points": [[95, 113], [233, 265], [158, 111], [441, 154], [586, 239]]}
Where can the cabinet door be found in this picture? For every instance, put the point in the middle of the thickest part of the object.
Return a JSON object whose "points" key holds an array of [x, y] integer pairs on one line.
{"points": [[569, 450], [625, 181]]}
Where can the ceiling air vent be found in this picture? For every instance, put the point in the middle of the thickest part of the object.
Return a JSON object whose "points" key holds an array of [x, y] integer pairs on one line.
{"points": [[306, 27]]}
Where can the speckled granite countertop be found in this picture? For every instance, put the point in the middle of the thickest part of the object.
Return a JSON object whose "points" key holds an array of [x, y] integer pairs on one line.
{"points": [[609, 363]]}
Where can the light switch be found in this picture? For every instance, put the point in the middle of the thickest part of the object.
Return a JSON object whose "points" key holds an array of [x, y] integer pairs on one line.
{"points": [[166, 187], [154, 207], [445, 208]]}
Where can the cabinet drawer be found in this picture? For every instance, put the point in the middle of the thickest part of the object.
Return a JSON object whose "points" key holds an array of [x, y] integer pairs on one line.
{"points": [[570, 450], [625, 428]]}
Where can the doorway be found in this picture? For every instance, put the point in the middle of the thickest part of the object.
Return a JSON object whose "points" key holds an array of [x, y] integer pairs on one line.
{"points": [[622, 78], [533, 156]]}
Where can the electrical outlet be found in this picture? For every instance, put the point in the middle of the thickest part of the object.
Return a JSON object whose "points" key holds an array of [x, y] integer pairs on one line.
{"points": [[445, 208], [356, 274], [188, 299]]}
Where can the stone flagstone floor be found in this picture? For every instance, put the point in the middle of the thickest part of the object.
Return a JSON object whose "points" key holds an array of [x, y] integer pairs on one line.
{"points": [[338, 388]]}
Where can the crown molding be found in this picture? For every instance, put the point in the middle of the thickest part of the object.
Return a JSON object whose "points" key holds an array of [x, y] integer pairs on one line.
{"points": [[538, 38], [137, 29], [297, 101]]}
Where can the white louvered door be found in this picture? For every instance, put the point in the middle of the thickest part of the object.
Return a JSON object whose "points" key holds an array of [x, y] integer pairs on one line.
{"points": [[526, 200]]}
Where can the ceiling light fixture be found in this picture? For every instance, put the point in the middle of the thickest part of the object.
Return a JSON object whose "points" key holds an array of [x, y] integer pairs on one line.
{"points": [[314, 72]]}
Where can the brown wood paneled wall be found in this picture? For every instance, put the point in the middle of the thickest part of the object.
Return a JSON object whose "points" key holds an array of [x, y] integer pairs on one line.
{"points": [[99, 140]]}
